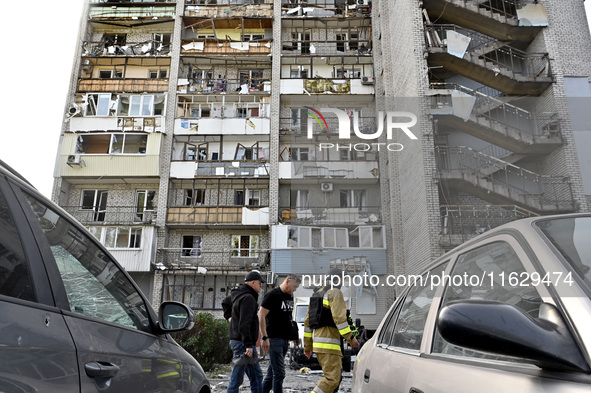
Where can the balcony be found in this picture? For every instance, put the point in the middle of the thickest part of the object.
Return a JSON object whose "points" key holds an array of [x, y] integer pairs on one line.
{"points": [[223, 169], [226, 126], [501, 183], [208, 47], [326, 86], [216, 216], [495, 119], [112, 215], [213, 260], [146, 48], [487, 60], [123, 124], [229, 8], [133, 13], [460, 223], [297, 170], [322, 215], [325, 8], [507, 20], [127, 85], [224, 85], [110, 165]]}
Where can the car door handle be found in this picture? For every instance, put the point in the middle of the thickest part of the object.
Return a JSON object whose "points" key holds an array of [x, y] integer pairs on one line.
{"points": [[366, 375], [415, 390], [101, 369]]}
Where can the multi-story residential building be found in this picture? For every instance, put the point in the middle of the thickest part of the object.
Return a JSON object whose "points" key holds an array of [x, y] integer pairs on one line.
{"points": [[206, 138]]}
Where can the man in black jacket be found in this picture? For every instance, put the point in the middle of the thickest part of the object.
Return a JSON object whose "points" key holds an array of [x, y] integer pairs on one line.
{"points": [[244, 333]]}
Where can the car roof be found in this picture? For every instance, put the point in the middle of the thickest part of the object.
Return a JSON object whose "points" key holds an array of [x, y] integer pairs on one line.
{"points": [[8, 170], [522, 225]]}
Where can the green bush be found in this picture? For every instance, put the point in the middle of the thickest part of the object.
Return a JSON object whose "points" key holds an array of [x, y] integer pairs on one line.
{"points": [[208, 341]]}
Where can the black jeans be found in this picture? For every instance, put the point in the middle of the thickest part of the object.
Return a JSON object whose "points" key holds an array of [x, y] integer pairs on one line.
{"points": [[276, 371]]}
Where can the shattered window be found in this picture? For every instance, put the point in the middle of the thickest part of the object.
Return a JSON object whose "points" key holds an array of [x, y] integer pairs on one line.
{"points": [[123, 237], [95, 286], [141, 105], [128, 143]]}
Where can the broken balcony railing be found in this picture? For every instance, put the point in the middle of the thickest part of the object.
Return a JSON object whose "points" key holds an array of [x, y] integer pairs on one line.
{"points": [[494, 110], [493, 54], [146, 48], [224, 260], [463, 222], [539, 192]]}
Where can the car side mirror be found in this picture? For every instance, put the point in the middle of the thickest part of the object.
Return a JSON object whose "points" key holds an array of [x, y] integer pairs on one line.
{"points": [[503, 329], [175, 317]]}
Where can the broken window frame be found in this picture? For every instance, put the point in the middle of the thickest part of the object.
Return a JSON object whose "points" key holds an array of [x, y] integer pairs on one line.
{"points": [[144, 202], [253, 198], [242, 152], [335, 237], [194, 196], [102, 105], [239, 241], [113, 74], [353, 198], [196, 248], [98, 204]]}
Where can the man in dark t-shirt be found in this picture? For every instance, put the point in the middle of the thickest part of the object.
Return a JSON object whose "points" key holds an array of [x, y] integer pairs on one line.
{"points": [[275, 316]]}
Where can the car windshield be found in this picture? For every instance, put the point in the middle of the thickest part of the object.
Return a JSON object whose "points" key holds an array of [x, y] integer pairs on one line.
{"points": [[571, 237]]}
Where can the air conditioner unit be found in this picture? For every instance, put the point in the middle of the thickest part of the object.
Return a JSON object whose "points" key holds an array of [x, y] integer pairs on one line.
{"points": [[367, 80], [74, 160], [326, 187]]}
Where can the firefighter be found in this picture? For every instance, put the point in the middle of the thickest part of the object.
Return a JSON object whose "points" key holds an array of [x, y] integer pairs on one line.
{"points": [[325, 324]]}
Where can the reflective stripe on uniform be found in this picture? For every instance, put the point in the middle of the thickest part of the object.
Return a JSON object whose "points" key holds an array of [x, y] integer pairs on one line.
{"points": [[327, 340], [307, 329], [343, 325], [308, 334], [317, 390], [345, 330], [326, 302], [334, 347]]}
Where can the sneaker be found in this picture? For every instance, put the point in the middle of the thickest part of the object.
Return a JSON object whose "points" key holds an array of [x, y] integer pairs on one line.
{"points": [[244, 360]]}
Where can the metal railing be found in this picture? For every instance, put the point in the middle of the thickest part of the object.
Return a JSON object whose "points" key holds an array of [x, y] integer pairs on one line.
{"points": [[129, 11], [220, 260], [357, 47], [541, 192], [512, 118], [320, 8], [463, 222], [322, 215], [504, 8], [515, 62], [145, 48], [112, 215]]}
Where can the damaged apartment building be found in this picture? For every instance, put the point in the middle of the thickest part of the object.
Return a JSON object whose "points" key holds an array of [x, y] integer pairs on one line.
{"points": [[203, 139]]}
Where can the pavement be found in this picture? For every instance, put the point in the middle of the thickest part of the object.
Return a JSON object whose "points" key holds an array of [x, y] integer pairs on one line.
{"points": [[295, 380]]}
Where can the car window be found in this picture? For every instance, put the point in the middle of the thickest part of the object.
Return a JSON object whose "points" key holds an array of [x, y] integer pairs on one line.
{"points": [[15, 276], [95, 286], [501, 274], [405, 327]]}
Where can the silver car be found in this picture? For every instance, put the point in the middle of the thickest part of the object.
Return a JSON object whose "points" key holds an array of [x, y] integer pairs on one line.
{"points": [[508, 311]]}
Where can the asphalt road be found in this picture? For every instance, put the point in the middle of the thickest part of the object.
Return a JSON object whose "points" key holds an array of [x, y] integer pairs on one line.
{"points": [[295, 381]]}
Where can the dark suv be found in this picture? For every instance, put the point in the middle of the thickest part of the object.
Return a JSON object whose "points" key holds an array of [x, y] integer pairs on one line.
{"points": [[71, 319]]}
